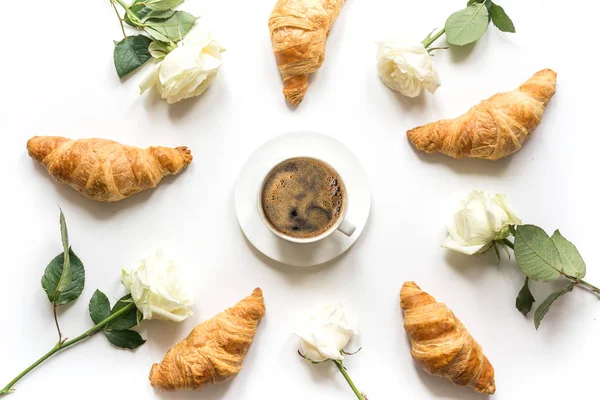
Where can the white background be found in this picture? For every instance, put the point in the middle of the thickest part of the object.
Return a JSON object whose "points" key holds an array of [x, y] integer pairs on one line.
{"points": [[58, 79]]}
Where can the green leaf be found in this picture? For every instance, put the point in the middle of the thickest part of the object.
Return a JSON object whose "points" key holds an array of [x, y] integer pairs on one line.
{"points": [[501, 19], [158, 15], [536, 254], [161, 5], [525, 299], [488, 3], [52, 276], [126, 321], [154, 34], [151, 9], [125, 339], [572, 261], [66, 275], [542, 310], [131, 53], [99, 307], [170, 30], [139, 11], [467, 25]]}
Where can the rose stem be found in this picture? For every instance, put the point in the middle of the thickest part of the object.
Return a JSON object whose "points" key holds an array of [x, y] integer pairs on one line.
{"points": [[339, 365], [426, 43], [60, 346], [585, 284], [509, 243], [126, 7]]}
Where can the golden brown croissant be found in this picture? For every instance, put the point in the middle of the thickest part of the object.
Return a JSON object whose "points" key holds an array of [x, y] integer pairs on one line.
{"points": [[213, 352], [441, 344], [494, 128], [299, 29], [104, 170]]}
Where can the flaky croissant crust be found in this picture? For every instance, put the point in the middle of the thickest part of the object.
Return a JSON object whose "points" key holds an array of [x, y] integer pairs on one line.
{"points": [[494, 128], [440, 343], [104, 170], [213, 352], [299, 30]]}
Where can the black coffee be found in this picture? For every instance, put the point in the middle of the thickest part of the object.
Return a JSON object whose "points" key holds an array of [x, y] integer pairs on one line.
{"points": [[303, 197]]}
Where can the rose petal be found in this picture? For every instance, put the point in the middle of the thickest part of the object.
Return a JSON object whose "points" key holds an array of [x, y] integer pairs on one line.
{"points": [[450, 244]]}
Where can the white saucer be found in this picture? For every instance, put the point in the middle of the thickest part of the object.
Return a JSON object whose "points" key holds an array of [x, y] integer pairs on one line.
{"points": [[301, 144]]}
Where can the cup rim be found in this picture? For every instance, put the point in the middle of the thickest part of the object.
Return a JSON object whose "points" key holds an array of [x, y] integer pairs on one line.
{"points": [[323, 235]]}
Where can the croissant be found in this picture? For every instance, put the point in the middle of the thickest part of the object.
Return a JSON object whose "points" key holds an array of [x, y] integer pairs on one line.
{"points": [[495, 128], [299, 29], [213, 352], [104, 170], [441, 344]]}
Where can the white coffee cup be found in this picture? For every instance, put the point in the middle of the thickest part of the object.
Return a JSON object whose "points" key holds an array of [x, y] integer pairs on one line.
{"points": [[342, 224]]}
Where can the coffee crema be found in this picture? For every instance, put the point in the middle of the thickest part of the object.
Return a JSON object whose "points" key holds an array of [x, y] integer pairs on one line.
{"points": [[303, 197]]}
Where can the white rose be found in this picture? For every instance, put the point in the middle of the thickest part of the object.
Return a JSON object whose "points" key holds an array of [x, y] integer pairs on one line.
{"points": [[188, 70], [407, 68], [324, 334], [157, 289], [482, 218]]}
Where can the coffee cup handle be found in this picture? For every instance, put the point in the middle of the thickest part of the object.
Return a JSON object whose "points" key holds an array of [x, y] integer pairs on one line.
{"points": [[347, 227]]}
